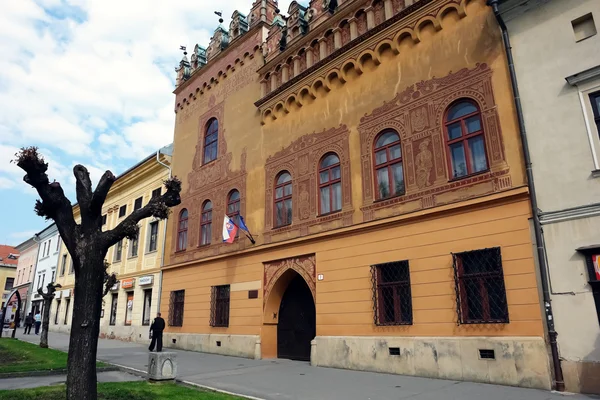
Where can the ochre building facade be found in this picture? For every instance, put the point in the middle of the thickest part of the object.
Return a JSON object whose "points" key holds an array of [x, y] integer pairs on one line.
{"points": [[373, 151], [129, 307]]}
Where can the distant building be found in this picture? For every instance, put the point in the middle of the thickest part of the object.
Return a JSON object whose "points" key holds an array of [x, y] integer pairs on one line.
{"points": [[8, 269], [49, 243], [25, 271], [556, 48], [133, 302]]}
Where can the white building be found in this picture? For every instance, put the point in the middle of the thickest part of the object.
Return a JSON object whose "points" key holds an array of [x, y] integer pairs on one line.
{"points": [[557, 59], [47, 261]]}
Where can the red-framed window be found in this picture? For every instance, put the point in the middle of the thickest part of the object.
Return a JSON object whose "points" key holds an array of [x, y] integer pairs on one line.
{"points": [[211, 138], [480, 289], [389, 171], [233, 207], [283, 199], [182, 230], [206, 223], [330, 184], [392, 299], [465, 139]]}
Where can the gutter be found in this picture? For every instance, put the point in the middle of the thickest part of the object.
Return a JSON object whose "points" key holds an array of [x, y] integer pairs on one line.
{"points": [[162, 259], [539, 235]]}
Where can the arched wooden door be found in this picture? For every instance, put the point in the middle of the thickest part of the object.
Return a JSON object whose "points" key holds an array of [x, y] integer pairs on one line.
{"points": [[297, 321]]}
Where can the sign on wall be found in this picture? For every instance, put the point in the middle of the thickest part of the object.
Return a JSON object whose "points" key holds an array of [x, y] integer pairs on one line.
{"points": [[596, 261], [146, 280], [128, 283]]}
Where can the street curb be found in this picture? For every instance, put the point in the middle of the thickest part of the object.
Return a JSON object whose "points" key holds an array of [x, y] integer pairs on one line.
{"points": [[51, 372], [139, 372], [212, 389]]}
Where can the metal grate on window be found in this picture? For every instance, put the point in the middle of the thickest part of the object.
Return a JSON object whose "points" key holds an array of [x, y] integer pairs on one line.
{"points": [[176, 308], [392, 299], [219, 306], [480, 290]]}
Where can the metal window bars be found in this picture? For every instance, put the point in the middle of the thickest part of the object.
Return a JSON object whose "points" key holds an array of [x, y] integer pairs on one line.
{"points": [[480, 290], [219, 306], [392, 299], [176, 308]]}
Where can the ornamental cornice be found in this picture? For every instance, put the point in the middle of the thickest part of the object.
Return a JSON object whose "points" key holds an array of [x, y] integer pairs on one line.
{"points": [[355, 57]]}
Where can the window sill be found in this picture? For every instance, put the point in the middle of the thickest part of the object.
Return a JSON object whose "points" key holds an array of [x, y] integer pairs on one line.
{"points": [[381, 200], [329, 214], [203, 246], [282, 226], [151, 251], [469, 176], [132, 257], [204, 164], [145, 323], [180, 251]]}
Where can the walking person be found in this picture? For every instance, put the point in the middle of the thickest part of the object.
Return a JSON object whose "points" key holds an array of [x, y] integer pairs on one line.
{"points": [[156, 333], [28, 324], [38, 322]]}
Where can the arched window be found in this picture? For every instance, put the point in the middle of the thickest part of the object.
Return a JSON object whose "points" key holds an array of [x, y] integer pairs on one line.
{"points": [[233, 207], [206, 223], [211, 138], [182, 230], [330, 184], [283, 199], [464, 136], [389, 174]]}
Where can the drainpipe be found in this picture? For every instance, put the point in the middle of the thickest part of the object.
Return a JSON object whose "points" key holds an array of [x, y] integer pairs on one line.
{"points": [[541, 250], [162, 259]]}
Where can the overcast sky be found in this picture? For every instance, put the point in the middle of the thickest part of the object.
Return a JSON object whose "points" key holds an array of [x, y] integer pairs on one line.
{"points": [[90, 82]]}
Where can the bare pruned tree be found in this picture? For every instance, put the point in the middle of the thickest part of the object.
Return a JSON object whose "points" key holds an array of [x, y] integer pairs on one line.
{"points": [[88, 245]]}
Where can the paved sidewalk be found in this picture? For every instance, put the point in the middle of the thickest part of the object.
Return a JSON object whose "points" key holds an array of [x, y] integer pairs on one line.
{"points": [[52, 380], [292, 380]]}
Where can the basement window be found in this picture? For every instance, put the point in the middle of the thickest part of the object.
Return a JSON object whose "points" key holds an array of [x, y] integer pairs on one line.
{"points": [[394, 351], [487, 354]]}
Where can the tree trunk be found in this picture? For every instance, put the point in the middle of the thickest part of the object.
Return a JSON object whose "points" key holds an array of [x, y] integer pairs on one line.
{"points": [[45, 322], [85, 324]]}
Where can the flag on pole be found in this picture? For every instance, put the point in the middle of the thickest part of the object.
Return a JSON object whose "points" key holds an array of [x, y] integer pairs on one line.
{"points": [[229, 230], [242, 225]]}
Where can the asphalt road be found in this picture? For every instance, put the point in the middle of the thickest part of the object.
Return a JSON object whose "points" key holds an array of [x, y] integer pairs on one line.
{"points": [[291, 380]]}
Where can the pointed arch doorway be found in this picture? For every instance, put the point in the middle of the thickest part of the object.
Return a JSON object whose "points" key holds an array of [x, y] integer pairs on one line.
{"points": [[289, 323], [297, 321]]}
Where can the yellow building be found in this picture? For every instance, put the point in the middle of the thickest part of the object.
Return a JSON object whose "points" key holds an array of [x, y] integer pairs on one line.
{"points": [[133, 302], [373, 149]]}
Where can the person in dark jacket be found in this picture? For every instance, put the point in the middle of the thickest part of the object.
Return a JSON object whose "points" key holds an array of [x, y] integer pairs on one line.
{"points": [[156, 333], [28, 324]]}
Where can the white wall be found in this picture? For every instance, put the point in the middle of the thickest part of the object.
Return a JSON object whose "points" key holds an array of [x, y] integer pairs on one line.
{"points": [[47, 261]]}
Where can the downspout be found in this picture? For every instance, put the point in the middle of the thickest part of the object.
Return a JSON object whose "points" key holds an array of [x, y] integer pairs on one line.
{"points": [[162, 259], [541, 251]]}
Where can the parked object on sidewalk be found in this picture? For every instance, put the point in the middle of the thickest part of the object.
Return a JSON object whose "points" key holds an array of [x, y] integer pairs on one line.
{"points": [[162, 366]]}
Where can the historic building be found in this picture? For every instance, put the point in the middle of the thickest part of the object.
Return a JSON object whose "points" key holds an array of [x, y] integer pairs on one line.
{"points": [[555, 46], [132, 303], [372, 148], [49, 243], [27, 261]]}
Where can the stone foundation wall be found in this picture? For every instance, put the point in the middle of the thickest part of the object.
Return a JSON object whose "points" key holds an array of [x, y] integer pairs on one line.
{"points": [[519, 361], [247, 346], [581, 376]]}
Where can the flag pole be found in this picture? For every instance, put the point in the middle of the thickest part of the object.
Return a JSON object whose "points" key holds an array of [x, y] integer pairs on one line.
{"points": [[247, 233]]}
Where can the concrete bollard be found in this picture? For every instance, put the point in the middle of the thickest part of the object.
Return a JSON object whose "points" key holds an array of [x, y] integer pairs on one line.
{"points": [[162, 366]]}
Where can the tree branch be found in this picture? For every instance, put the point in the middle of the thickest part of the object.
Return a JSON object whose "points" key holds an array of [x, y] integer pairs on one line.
{"points": [[101, 192], [54, 204], [50, 290], [83, 190], [157, 207]]}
